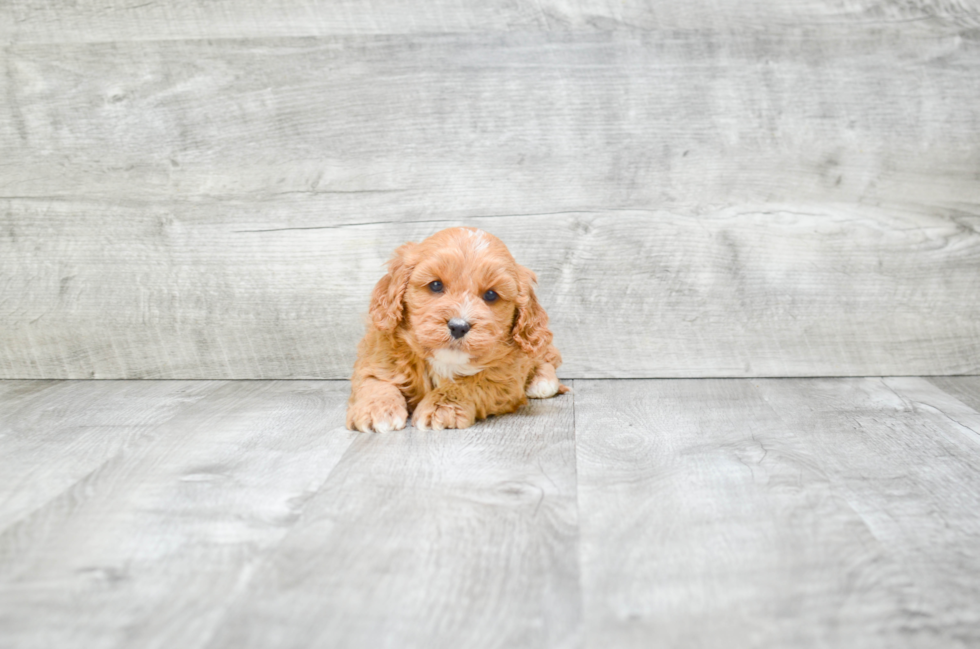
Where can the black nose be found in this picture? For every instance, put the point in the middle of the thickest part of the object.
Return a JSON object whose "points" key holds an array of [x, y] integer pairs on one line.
{"points": [[458, 327]]}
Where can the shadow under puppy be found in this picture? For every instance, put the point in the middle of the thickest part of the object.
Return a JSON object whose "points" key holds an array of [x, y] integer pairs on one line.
{"points": [[455, 334]]}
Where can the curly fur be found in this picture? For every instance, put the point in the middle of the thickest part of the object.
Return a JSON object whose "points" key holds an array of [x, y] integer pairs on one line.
{"points": [[409, 363]]}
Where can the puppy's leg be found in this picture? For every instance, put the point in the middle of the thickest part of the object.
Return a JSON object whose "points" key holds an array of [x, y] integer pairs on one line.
{"points": [[544, 384], [376, 405], [444, 408], [458, 404]]}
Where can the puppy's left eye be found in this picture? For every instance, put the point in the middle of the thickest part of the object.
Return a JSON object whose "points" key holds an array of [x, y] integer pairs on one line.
{"points": [[490, 296]]}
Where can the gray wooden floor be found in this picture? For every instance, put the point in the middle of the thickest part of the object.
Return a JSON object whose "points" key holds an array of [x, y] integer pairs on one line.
{"points": [[694, 513]]}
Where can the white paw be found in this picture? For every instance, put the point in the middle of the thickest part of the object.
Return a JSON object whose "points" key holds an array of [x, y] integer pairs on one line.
{"points": [[386, 425], [381, 415], [543, 388]]}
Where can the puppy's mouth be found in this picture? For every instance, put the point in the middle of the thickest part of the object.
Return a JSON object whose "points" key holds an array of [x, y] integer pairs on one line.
{"points": [[460, 347], [457, 344], [444, 344]]}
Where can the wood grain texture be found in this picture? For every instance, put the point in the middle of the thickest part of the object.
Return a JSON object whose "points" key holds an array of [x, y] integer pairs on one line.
{"points": [[964, 388], [51, 438], [898, 454], [921, 394], [837, 291], [146, 549], [703, 513], [793, 201], [383, 127], [706, 520], [117, 20], [430, 539]]}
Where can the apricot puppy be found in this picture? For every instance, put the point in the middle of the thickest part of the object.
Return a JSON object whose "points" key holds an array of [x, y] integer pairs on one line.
{"points": [[455, 333]]}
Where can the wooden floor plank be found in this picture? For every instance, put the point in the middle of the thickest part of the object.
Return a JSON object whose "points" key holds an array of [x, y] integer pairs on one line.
{"points": [[923, 394], [706, 522], [430, 539], [896, 452], [54, 433], [964, 388], [710, 513], [146, 550]]}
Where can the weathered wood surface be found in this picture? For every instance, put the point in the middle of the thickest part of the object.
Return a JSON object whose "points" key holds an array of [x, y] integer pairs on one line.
{"points": [[146, 549], [630, 294], [778, 513], [964, 388], [902, 456], [355, 129], [708, 513], [415, 539], [430, 539], [51, 437], [706, 521], [959, 409], [117, 20], [697, 202]]}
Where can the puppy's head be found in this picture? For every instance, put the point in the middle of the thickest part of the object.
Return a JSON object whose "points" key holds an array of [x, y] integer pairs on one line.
{"points": [[461, 290]]}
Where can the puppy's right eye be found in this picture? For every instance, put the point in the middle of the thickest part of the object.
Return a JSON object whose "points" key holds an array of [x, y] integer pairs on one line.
{"points": [[436, 286]]}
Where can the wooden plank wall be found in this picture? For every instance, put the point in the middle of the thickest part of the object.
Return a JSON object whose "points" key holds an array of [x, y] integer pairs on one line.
{"points": [[209, 190]]}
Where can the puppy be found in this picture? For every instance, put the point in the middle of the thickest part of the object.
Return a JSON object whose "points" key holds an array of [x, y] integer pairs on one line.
{"points": [[454, 334]]}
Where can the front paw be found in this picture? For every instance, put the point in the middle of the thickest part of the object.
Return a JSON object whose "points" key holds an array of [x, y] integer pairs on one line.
{"points": [[382, 414], [437, 414], [545, 383], [543, 388]]}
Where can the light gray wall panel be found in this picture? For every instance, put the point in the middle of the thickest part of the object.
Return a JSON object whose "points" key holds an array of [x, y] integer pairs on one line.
{"points": [[785, 201], [118, 20], [194, 291], [478, 124]]}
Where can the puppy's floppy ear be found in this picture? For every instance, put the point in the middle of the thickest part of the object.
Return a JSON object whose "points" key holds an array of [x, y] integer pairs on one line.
{"points": [[530, 330], [388, 298]]}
